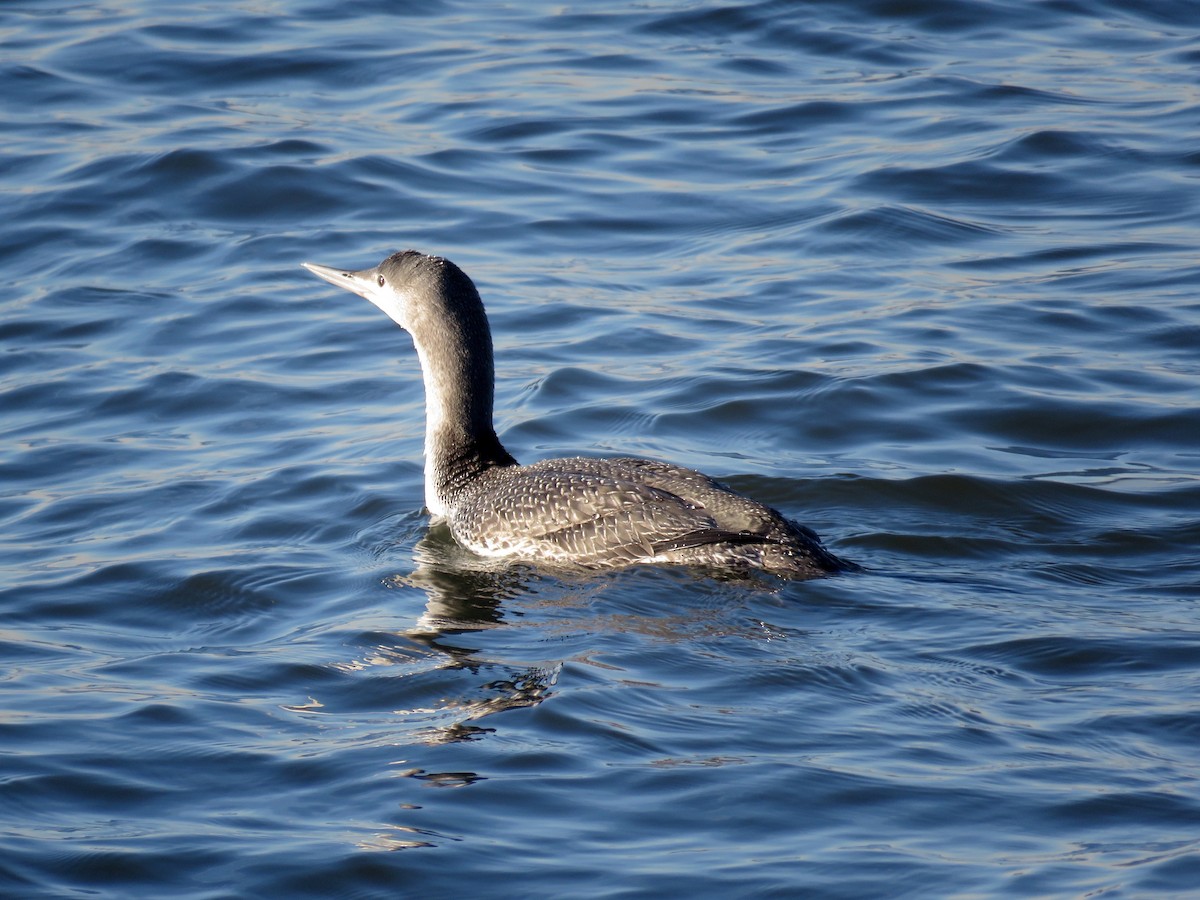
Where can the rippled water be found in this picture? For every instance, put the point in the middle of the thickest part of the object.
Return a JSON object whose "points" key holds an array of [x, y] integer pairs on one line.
{"points": [[922, 275]]}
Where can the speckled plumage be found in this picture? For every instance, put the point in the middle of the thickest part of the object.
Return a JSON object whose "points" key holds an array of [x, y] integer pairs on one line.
{"points": [[597, 513], [614, 512]]}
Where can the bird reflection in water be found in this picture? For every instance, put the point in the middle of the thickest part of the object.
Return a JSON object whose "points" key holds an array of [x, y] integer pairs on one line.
{"points": [[465, 596], [458, 662]]}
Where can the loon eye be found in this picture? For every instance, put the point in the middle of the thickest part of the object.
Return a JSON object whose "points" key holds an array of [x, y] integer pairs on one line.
{"points": [[379, 279]]}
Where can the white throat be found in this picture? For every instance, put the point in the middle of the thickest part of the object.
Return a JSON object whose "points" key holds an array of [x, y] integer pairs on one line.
{"points": [[435, 420]]}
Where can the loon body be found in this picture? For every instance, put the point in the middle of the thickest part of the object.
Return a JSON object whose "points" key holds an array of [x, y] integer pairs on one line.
{"points": [[596, 513]]}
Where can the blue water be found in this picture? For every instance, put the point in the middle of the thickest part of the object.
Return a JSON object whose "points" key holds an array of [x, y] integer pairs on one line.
{"points": [[925, 276]]}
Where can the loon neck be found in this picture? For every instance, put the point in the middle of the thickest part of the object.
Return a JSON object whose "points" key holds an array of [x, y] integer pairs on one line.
{"points": [[460, 440]]}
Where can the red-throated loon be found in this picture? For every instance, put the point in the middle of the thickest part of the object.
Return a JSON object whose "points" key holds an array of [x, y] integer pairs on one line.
{"points": [[596, 513]]}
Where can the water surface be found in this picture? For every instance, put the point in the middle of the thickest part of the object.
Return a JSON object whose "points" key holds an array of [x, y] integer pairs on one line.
{"points": [[923, 276]]}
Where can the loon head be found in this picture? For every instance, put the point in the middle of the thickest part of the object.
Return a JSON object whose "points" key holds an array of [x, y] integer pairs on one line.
{"points": [[434, 301], [414, 290]]}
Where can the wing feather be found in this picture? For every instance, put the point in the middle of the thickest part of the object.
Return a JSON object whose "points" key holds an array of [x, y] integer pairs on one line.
{"points": [[602, 512], [578, 510]]}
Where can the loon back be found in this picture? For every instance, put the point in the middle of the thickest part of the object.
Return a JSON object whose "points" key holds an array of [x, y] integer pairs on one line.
{"points": [[602, 513]]}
